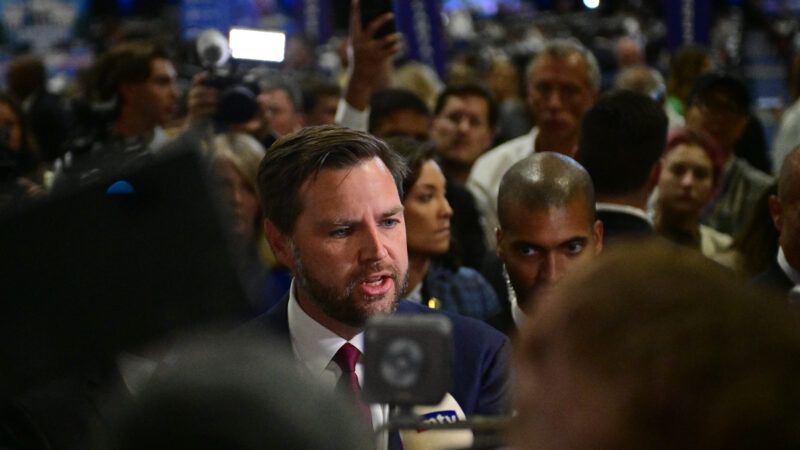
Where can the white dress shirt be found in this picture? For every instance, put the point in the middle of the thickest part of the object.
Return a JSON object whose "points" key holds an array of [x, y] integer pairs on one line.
{"points": [[790, 271], [625, 209], [314, 346], [348, 116], [488, 170]]}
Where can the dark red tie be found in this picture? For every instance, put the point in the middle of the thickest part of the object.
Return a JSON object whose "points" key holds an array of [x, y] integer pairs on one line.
{"points": [[346, 358]]}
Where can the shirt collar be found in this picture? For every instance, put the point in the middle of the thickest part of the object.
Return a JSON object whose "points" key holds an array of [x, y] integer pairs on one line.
{"points": [[312, 343], [625, 209], [791, 272], [517, 313]]}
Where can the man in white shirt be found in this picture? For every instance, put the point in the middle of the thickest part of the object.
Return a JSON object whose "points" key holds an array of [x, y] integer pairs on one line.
{"points": [[563, 83], [333, 216]]}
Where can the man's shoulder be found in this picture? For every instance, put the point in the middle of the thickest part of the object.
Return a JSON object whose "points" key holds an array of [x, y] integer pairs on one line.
{"points": [[466, 330], [773, 279], [502, 157], [450, 275], [273, 323], [746, 171]]}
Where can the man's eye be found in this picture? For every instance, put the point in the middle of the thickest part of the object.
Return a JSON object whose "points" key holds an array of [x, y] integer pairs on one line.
{"points": [[527, 251], [575, 247], [340, 232], [390, 223], [570, 91], [678, 170]]}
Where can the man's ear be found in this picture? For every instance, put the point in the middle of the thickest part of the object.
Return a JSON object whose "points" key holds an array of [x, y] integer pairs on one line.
{"points": [[776, 211], [498, 235], [598, 236], [280, 244], [655, 174]]}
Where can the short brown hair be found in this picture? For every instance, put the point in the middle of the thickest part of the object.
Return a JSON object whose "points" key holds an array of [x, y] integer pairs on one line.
{"points": [[294, 158], [128, 62]]}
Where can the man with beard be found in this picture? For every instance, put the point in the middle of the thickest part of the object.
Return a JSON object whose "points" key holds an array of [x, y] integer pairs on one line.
{"points": [[548, 228], [333, 215]]}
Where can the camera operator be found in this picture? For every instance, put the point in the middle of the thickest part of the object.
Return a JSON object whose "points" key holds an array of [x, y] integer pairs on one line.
{"points": [[134, 96], [226, 96]]}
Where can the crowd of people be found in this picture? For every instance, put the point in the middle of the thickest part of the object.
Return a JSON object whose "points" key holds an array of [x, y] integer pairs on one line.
{"points": [[617, 261]]}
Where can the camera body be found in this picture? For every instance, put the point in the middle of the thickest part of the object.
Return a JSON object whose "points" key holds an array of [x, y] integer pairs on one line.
{"points": [[408, 359], [237, 98]]}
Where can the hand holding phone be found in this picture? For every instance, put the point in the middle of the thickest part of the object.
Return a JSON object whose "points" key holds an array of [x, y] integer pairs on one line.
{"points": [[371, 10]]}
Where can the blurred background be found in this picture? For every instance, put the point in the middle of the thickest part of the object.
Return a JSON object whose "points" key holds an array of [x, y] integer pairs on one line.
{"points": [[455, 38]]}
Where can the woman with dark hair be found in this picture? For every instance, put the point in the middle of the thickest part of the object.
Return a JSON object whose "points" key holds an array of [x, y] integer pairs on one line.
{"points": [[691, 169], [435, 278]]}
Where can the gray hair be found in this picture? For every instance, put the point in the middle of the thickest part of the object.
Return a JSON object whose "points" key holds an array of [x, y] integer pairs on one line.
{"points": [[562, 48]]}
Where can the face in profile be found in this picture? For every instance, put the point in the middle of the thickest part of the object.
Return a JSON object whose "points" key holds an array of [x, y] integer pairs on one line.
{"points": [[155, 98], [559, 94], [540, 246], [428, 213], [686, 182], [348, 247], [241, 196], [461, 130]]}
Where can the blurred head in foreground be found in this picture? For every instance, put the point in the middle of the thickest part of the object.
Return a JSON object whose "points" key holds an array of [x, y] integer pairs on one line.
{"points": [[224, 393], [653, 347]]}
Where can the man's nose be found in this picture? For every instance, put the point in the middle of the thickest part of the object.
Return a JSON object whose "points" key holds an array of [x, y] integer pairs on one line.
{"points": [[373, 247], [553, 269], [687, 179], [554, 99], [463, 124]]}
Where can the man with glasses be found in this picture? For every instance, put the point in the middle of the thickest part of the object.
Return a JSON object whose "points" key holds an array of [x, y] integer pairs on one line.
{"points": [[719, 105]]}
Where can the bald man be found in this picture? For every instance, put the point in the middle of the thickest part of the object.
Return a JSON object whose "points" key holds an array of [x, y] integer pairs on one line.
{"points": [[784, 273], [547, 227], [563, 82]]}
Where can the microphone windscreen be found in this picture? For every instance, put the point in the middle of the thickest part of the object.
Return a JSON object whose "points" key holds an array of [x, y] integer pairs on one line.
{"points": [[212, 48], [447, 411]]}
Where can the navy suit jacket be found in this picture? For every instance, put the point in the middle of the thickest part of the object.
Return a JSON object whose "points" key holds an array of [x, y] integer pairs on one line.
{"points": [[480, 382], [620, 225], [774, 279]]}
